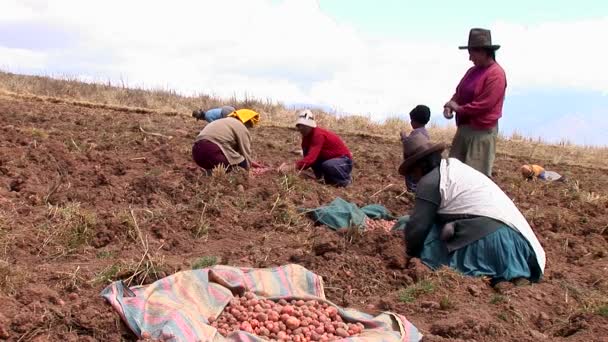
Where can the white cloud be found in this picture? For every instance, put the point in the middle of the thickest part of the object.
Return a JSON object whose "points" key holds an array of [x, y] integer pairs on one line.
{"points": [[292, 52], [557, 54], [17, 59], [580, 128]]}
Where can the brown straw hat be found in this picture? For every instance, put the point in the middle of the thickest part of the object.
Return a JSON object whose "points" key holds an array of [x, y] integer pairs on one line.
{"points": [[415, 148], [480, 38]]}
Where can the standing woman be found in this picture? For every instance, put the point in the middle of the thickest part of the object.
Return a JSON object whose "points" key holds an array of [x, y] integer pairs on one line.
{"points": [[478, 104]]}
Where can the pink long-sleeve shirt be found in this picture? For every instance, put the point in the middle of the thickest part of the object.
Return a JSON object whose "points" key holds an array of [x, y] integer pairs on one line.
{"points": [[481, 94]]}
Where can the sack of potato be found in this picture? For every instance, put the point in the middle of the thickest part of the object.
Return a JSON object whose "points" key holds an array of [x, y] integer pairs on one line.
{"points": [[224, 303]]}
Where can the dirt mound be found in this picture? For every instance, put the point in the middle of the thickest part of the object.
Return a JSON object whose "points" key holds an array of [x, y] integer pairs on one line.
{"points": [[93, 195]]}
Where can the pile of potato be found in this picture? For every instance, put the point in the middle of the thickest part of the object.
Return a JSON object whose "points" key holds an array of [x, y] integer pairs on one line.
{"points": [[385, 225], [296, 320]]}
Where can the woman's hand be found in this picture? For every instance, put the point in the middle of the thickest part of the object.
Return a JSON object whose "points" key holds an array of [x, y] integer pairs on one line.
{"points": [[453, 106], [447, 112]]}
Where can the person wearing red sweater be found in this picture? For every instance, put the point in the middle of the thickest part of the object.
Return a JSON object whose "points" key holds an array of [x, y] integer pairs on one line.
{"points": [[324, 152], [478, 104]]}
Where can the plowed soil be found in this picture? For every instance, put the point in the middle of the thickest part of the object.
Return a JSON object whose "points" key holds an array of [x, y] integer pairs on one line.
{"points": [[87, 193]]}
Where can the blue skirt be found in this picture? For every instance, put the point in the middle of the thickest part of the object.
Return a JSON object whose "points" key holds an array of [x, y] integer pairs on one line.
{"points": [[503, 255]]}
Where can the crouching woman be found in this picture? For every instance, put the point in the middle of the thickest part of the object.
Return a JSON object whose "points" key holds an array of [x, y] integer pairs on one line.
{"points": [[463, 220], [226, 142]]}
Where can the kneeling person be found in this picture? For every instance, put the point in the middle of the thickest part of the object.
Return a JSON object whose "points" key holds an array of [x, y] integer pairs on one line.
{"points": [[213, 114], [226, 142], [324, 152], [463, 220]]}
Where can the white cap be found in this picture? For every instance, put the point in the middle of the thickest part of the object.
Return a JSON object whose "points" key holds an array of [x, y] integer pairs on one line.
{"points": [[306, 118]]}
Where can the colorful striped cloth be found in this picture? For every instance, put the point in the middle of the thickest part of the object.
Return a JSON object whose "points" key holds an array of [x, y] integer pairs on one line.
{"points": [[180, 305]]}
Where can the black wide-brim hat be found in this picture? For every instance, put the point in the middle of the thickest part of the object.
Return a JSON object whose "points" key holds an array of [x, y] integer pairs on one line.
{"points": [[480, 38]]}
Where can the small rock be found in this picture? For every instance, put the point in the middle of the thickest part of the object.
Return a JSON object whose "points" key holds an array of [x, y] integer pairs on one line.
{"points": [[56, 300], [240, 188], [504, 287], [543, 316], [4, 334], [537, 296], [73, 296], [417, 270], [324, 248], [430, 305], [474, 290], [537, 335], [385, 305]]}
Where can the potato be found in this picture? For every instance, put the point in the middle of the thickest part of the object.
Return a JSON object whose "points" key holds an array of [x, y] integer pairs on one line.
{"points": [[292, 323], [296, 320], [287, 309], [331, 311], [341, 332], [273, 316]]}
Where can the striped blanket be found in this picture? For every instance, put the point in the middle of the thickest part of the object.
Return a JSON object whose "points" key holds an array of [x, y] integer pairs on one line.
{"points": [[178, 306]]}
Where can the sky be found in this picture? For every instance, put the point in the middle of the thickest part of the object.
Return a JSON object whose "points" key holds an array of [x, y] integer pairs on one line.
{"points": [[374, 58]]}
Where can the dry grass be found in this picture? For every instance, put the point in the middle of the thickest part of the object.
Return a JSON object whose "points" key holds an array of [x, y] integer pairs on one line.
{"points": [[168, 102], [69, 228]]}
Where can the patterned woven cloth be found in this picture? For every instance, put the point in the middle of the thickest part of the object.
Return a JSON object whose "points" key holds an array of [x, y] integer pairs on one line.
{"points": [[180, 305]]}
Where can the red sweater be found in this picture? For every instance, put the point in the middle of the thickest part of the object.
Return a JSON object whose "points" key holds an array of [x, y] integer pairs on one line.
{"points": [[321, 145], [481, 93]]}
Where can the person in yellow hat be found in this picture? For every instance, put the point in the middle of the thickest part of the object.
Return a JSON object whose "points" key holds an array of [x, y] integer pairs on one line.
{"points": [[533, 171], [226, 142]]}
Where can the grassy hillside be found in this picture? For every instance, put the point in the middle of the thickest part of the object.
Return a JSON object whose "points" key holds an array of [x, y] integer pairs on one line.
{"points": [[169, 102]]}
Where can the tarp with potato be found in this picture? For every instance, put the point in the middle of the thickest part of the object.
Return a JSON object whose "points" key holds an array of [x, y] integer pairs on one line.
{"points": [[181, 306], [340, 214]]}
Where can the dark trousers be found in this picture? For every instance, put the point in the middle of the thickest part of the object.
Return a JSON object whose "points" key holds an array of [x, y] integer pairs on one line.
{"points": [[208, 155], [336, 171]]}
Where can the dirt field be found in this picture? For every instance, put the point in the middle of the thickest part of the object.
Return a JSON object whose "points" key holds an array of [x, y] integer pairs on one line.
{"points": [[85, 193]]}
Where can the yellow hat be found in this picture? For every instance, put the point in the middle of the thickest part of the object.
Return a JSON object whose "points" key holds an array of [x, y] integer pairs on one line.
{"points": [[246, 115]]}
